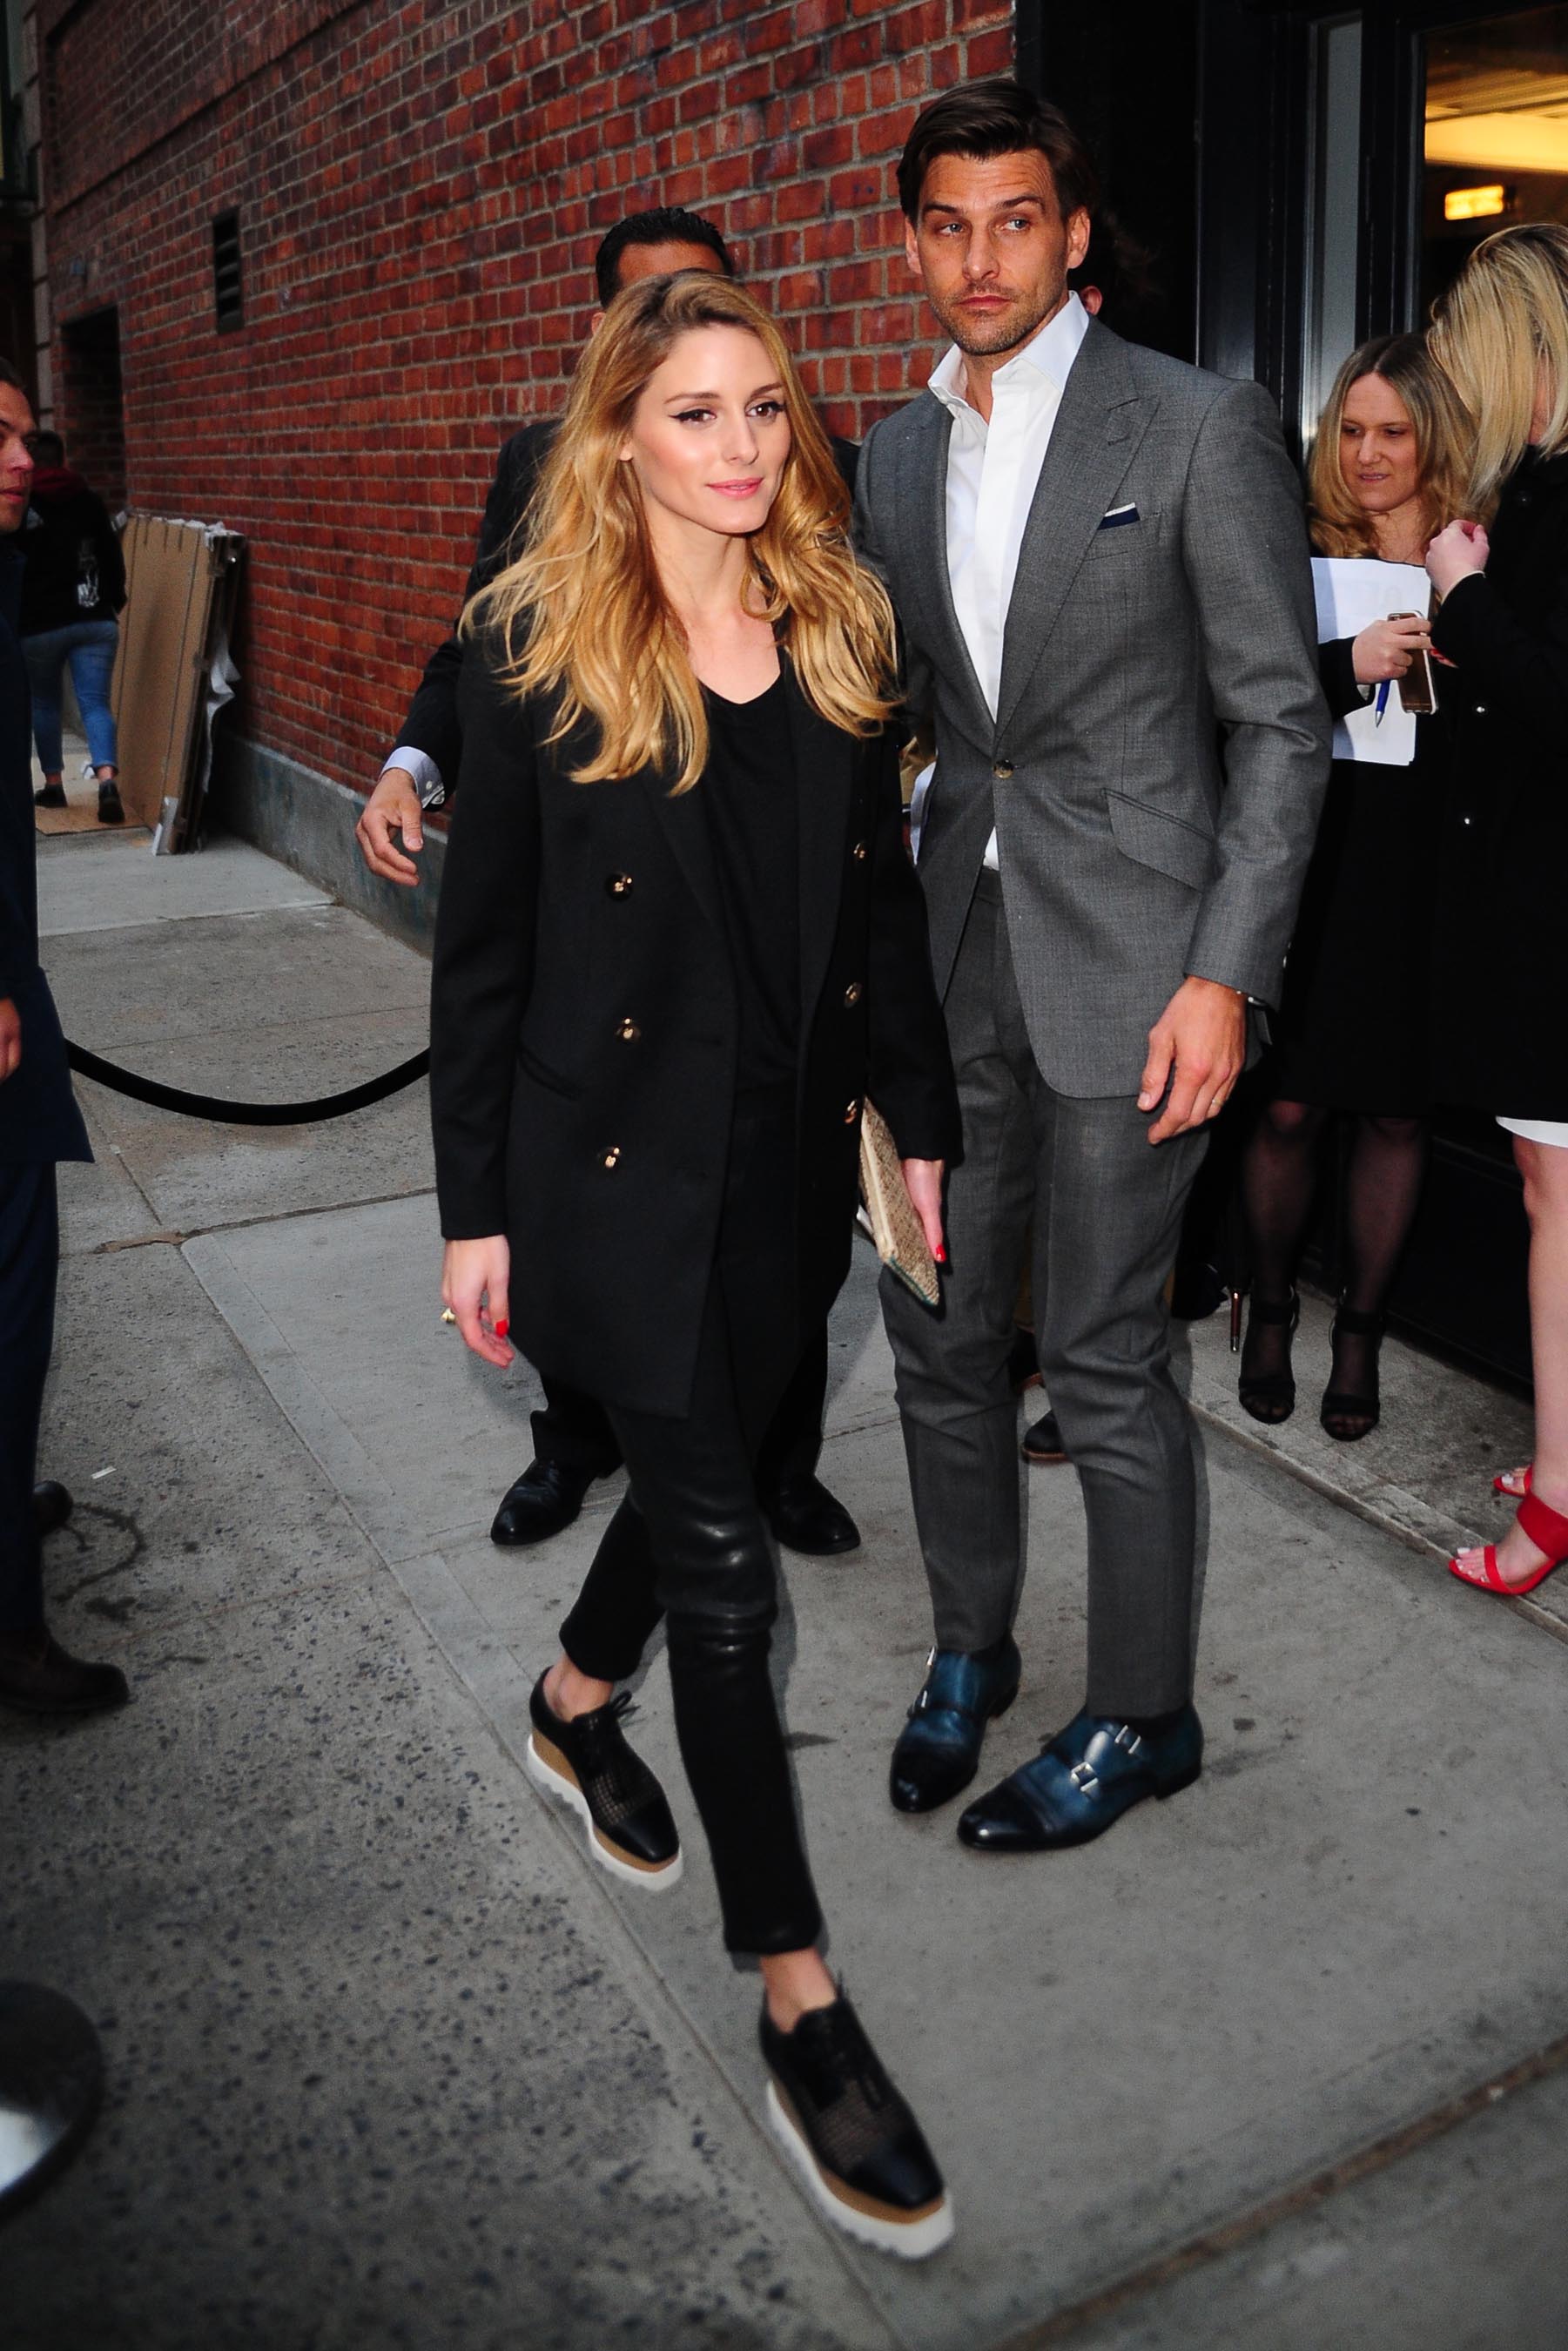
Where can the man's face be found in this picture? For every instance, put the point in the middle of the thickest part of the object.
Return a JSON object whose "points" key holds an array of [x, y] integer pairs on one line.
{"points": [[16, 457], [991, 248]]}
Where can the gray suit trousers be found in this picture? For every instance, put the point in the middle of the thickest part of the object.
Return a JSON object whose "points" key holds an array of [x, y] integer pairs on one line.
{"points": [[1106, 1209]]}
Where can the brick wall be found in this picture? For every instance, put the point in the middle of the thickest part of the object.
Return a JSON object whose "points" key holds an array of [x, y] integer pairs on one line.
{"points": [[420, 187]]}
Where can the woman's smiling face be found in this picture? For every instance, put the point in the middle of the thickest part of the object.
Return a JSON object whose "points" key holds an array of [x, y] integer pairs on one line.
{"points": [[710, 432]]}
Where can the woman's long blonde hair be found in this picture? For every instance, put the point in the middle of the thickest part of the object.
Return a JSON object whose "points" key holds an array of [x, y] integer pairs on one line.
{"points": [[1340, 523], [1497, 329], [582, 615]]}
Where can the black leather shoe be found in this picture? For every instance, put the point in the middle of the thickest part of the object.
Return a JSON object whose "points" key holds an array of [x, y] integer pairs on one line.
{"points": [[543, 1500], [805, 1517], [52, 1506], [37, 1676], [51, 796], [1043, 1444], [588, 1764], [939, 1749], [1082, 1781], [852, 2135]]}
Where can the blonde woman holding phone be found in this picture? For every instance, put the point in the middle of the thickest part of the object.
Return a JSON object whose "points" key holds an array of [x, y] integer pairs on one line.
{"points": [[1355, 1030], [679, 943]]}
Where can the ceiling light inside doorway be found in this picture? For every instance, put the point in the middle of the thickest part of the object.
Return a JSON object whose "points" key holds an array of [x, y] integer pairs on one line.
{"points": [[1474, 204]]}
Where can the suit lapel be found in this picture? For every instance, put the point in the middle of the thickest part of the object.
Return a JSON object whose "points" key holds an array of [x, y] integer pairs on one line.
{"points": [[824, 765], [681, 818], [1098, 427], [923, 577]]}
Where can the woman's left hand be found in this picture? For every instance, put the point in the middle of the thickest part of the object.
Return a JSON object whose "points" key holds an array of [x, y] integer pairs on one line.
{"points": [[1455, 554], [923, 1181]]}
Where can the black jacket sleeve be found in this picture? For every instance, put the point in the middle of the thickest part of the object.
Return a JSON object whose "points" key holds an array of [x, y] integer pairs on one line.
{"points": [[910, 1073], [1498, 656], [1336, 668], [110, 560], [433, 725], [486, 927]]}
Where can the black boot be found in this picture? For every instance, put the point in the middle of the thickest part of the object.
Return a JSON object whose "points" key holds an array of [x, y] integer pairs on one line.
{"points": [[543, 1500], [37, 1676]]}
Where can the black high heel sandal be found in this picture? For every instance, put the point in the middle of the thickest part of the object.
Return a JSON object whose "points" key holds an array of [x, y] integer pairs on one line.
{"points": [[1271, 1396], [1343, 1404]]}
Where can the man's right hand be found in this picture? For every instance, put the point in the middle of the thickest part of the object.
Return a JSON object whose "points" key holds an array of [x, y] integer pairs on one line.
{"points": [[10, 1039], [393, 807]]}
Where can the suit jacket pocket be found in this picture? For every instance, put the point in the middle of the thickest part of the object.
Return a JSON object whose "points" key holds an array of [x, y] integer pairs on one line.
{"points": [[543, 1075], [1168, 844]]}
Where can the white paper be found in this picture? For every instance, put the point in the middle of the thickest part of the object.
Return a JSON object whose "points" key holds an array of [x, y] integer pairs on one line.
{"points": [[1352, 592]]}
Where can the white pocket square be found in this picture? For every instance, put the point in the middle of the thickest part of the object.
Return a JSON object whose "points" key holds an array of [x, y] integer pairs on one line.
{"points": [[1117, 515]]}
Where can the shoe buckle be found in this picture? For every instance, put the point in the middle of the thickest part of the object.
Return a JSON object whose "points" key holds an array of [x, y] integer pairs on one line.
{"points": [[1129, 1740], [1084, 1777]]}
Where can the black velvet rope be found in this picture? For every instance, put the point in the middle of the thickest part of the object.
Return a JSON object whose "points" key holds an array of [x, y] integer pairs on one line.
{"points": [[243, 1114]]}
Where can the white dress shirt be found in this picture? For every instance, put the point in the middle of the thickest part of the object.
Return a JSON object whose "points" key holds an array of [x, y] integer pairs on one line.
{"points": [[992, 470]]}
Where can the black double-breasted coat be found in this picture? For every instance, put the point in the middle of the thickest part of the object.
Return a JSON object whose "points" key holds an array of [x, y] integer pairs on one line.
{"points": [[1501, 1038], [585, 1028]]}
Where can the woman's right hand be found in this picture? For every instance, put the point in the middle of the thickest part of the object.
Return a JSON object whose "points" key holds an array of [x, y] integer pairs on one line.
{"points": [[1388, 648], [474, 1278]]}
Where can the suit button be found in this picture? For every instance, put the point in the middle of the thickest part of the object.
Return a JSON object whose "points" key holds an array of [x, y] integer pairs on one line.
{"points": [[628, 1031], [611, 1159], [859, 852], [853, 993], [852, 1112], [618, 885], [1480, 710], [1002, 770]]}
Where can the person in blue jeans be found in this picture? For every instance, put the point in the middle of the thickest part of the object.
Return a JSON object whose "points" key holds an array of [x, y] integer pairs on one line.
{"points": [[73, 586]]}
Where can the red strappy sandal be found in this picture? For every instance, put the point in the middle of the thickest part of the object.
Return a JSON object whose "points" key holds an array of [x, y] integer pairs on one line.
{"points": [[1547, 1529], [1500, 1485]]}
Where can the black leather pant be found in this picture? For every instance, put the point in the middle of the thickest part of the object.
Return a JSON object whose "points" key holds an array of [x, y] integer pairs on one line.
{"points": [[689, 1542]]}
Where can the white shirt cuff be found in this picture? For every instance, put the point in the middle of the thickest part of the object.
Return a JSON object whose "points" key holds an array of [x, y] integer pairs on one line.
{"points": [[426, 775]]}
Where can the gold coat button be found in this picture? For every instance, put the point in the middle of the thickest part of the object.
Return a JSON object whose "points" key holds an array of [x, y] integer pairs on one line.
{"points": [[853, 993], [628, 1031], [611, 1159], [859, 852], [618, 885], [852, 1114], [1002, 770]]}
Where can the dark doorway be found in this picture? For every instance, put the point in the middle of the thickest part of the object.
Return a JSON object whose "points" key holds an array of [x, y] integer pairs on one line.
{"points": [[89, 408]]}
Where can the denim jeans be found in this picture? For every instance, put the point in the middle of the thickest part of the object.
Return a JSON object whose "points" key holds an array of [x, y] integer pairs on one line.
{"points": [[89, 647]]}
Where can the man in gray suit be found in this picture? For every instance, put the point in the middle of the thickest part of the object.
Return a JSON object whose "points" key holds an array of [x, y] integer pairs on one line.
{"points": [[1100, 567]]}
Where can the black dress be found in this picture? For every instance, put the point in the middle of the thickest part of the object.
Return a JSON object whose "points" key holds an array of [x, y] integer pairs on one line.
{"points": [[1500, 1031], [1355, 1012]]}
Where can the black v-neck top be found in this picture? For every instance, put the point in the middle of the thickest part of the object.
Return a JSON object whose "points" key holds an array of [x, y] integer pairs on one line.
{"points": [[750, 790]]}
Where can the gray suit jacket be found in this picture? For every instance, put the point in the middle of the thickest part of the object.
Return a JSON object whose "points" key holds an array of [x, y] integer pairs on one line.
{"points": [[1161, 744]]}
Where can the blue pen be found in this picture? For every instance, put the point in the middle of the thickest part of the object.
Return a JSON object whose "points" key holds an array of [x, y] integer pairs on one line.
{"points": [[1382, 703]]}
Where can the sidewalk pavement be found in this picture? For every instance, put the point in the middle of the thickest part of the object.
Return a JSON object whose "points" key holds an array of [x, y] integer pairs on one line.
{"points": [[1280, 2063]]}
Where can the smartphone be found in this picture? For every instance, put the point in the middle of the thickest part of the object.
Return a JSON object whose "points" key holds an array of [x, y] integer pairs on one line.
{"points": [[1419, 687]]}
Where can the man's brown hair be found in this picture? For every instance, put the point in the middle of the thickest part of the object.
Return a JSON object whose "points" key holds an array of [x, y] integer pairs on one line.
{"points": [[997, 117]]}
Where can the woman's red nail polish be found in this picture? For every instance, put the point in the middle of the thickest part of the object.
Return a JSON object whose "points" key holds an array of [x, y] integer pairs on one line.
{"points": [[941, 1256], [502, 1329]]}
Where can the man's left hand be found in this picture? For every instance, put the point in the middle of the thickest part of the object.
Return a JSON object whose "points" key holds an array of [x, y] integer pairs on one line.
{"points": [[1199, 1048]]}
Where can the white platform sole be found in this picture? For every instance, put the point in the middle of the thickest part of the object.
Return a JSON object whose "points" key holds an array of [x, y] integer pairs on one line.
{"points": [[910, 2240], [554, 1783]]}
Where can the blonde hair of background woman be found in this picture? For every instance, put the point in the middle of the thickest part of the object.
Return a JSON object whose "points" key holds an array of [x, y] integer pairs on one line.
{"points": [[1340, 523], [581, 613], [1498, 329]]}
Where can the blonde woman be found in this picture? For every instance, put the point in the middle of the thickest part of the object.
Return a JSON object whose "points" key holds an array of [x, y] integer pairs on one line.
{"points": [[679, 942], [1356, 1016], [1501, 332]]}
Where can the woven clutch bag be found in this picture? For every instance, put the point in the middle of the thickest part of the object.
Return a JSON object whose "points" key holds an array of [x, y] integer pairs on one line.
{"points": [[897, 1231]]}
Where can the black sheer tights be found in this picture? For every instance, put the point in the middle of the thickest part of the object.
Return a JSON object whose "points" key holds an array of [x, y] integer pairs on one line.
{"points": [[1383, 1183]]}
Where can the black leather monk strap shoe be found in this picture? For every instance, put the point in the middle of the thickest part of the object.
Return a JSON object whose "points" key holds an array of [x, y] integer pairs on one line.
{"points": [[939, 1749], [588, 1764], [37, 1676], [805, 1517], [539, 1503], [1082, 1780], [851, 2134], [52, 1506]]}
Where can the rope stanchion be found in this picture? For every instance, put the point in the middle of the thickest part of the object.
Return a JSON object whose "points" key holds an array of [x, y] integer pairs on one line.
{"points": [[243, 1113]]}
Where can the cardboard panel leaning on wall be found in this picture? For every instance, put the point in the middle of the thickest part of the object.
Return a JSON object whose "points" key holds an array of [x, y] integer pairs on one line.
{"points": [[181, 579]]}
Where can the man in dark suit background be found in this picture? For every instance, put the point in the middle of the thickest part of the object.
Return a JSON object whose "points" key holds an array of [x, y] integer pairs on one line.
{"points": [[573, 1444], [39, 1125]]}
